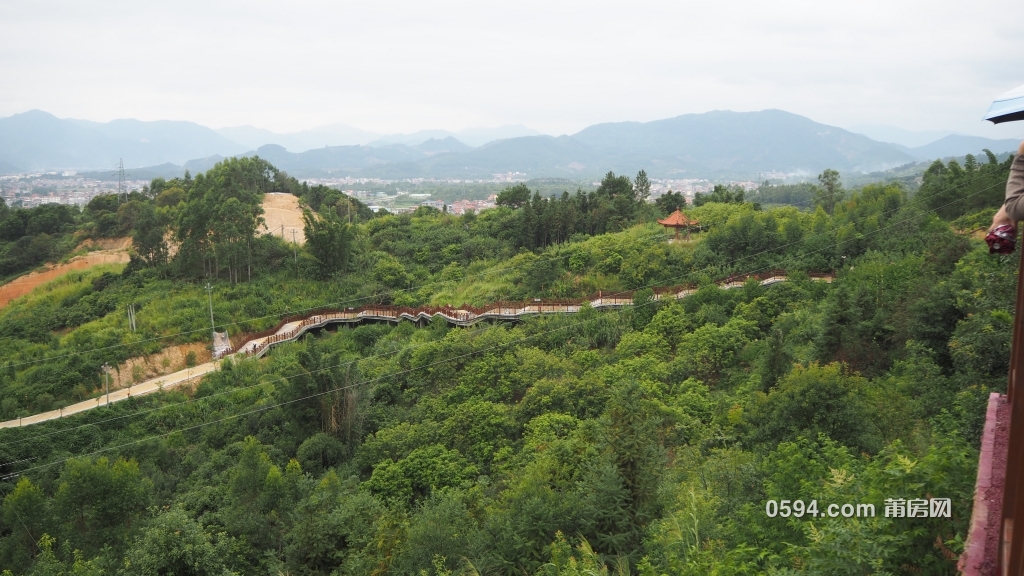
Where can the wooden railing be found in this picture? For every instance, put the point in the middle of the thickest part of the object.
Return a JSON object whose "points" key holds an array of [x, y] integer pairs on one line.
{"points": [[258, 343], [995, 545], [1011, 553]]}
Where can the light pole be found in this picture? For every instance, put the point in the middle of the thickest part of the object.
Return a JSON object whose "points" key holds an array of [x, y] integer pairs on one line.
{"points": [[106, 381]]}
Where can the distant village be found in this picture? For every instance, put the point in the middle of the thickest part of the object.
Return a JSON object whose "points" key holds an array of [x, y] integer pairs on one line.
{"points": [[30, 190], [404, 201]]}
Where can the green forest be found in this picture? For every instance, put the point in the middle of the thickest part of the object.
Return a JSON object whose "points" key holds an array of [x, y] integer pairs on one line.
{"points": [[644, 441]]}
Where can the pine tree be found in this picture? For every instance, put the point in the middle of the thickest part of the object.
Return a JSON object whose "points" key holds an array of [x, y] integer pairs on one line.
{"points": [[642, 187]]}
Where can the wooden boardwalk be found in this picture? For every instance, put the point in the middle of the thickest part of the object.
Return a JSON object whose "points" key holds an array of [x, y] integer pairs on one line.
{"points": [[294, 327]]}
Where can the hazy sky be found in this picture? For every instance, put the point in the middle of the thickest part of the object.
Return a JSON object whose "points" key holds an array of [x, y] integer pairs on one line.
{"points": [[553, 66]]}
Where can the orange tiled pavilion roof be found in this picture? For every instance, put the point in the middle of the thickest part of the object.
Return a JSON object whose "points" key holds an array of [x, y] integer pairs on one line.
{"points": [[677, 220]]}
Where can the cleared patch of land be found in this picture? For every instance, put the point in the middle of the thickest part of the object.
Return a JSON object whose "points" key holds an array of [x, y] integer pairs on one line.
{"points": [[284, 217], [112, 251]]}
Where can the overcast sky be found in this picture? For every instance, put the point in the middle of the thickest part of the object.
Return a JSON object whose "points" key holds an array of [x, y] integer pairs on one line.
{"points": [[553, 66]]}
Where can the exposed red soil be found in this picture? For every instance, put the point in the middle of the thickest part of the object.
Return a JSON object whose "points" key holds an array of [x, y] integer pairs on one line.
{"points": [[113, 251]]}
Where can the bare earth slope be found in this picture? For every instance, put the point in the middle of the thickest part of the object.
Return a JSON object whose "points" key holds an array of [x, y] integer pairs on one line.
{"points": [[282, 210], [115, 251]]}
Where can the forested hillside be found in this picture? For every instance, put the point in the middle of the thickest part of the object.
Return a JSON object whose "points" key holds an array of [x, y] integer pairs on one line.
{"points": [[641, 441]]}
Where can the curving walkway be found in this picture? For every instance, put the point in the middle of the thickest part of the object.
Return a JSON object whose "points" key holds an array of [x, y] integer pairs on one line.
{"points": [[293, 328], [167, 381]]}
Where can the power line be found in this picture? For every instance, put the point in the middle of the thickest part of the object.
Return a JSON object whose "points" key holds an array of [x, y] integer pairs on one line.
{"points": [[342, 303], [634, 241], [308, 397], [22, 522], [690, 273], [798, 241], [476, 352], [189, 401], [388, 293]]}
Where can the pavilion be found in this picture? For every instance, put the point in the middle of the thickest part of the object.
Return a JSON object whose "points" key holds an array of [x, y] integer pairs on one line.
{"points": [[678, 220]]}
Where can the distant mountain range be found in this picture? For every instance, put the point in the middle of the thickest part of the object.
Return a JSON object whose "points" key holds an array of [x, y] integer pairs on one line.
{"points": [[37, 140], [739, 142], [959, 145], [718, 144], [342, 135], [907, 138], [334, 135]]}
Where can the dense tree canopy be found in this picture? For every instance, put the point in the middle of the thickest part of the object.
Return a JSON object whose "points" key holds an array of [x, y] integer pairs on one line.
{"points": [[646, 440], [952, 190], [720, 193]]}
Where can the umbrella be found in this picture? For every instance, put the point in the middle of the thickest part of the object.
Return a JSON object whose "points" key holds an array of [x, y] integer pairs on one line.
{"points": [[1007, 107]]}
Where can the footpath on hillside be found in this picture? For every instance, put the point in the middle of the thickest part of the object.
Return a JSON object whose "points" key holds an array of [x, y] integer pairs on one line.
{"points": [[292, 330], [186, 376], [283, 216]]}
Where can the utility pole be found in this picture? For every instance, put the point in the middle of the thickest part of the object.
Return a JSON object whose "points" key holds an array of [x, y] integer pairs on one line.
{"points": [[295, 246], [131, 317], [213, 327], [106, 381]]}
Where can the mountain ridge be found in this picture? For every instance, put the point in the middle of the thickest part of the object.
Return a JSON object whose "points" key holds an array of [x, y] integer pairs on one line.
{"points": [[38, 140], [344, 135], [716, 144], [959, 145]]}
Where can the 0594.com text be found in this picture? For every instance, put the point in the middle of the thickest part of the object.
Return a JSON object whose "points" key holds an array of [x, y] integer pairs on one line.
{"points": [[892, 508]]}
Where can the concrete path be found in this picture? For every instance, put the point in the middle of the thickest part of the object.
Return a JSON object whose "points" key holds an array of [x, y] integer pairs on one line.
{"points": [[147, 387]]}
